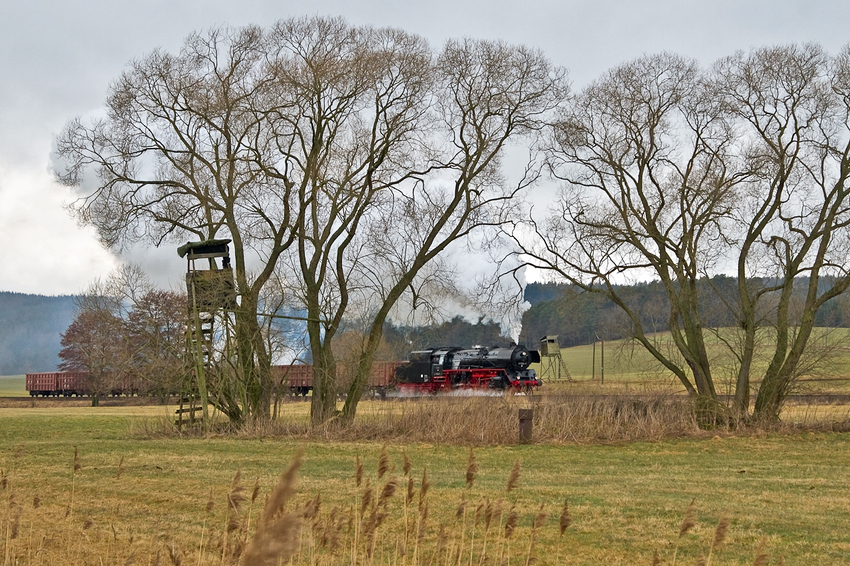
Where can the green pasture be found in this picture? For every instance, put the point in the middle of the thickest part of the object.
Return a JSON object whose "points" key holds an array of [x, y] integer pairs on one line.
{"points": [[628, 364], [136, 492], [13, 386]]}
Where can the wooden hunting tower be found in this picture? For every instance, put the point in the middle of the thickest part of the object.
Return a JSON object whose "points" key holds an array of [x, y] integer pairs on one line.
{"points": [[211, 293], [209, 289], [551, 363]]}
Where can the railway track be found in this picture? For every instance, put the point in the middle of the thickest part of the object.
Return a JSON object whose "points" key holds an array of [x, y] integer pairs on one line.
{"points": [[802, 399]]}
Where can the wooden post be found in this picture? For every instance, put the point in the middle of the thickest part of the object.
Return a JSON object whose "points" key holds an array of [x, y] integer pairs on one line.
{"points": [[602, 361], [526, 424], [593, 370]]}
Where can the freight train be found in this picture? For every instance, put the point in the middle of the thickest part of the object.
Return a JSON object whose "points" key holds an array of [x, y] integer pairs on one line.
{"points": [[431, 371], [294, 379]]}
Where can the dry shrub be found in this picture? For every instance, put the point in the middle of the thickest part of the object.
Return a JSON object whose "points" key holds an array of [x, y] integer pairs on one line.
{"points": [[494, 420], [488, 421], [596, 418]]}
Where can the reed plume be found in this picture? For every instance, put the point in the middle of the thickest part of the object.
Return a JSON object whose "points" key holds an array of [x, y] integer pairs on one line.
{"points": [[406, 465], [510, 523], [276, 538], [762, 557], [423, 487], [423, 521], [256, 491], [565, 519], [488, 514], [358, 473], [479, 513], [383, 463], [513, 478], [235, 498], [540, 518], [410, 492], [461, 506], [719, 536], [538, 522], [687, 524], [471, 469], [387, 492], [366, 500]]}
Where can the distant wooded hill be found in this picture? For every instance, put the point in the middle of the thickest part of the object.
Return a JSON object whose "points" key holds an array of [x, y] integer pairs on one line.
{"points": [[31, 328], [577, 317]]}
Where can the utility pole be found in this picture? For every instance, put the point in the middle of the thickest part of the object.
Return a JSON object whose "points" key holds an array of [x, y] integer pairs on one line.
{"points": [[593, 366]]}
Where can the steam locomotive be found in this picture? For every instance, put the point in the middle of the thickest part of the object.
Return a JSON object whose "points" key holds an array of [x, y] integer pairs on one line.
{"points": [[446, 369]]}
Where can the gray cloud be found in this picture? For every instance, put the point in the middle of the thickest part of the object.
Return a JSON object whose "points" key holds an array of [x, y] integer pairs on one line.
{"points": [[58, 58]]}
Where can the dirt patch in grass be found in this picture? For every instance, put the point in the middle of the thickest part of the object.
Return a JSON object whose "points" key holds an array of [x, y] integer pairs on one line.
{"points": [[60, 402]]}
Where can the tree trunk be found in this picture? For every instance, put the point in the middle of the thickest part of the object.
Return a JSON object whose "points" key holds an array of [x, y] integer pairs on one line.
{"points": [[323, 405]]}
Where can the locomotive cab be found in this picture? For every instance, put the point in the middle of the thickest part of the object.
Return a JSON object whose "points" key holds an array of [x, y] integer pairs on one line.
{"points": [[424, 366]]}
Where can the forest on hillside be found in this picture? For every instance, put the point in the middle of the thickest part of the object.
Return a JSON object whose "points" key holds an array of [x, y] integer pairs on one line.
{"points": [[579, 317], [30, 331]]}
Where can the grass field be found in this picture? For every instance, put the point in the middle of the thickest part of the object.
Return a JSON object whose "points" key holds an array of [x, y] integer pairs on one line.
{"points": [[630, 367], [139, 498], [13, 386]]}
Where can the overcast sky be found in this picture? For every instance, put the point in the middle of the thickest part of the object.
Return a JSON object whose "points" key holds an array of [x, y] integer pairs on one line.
{"points": [[57, 59]]}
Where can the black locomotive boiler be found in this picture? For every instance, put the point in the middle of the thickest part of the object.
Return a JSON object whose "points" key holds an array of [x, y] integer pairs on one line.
{"points": [[451, 368]]}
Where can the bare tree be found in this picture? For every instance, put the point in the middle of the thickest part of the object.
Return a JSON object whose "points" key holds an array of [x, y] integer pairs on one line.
{"points": [[128, 335], [416, 195], [677, 174], [176, 158], [346, 115], [94, 343], [155, 328], [644, 153], [484, 96], [791, 104]]}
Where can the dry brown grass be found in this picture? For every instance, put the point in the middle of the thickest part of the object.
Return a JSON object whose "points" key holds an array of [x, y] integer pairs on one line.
{"points": [[371, 526], [484, 421]]}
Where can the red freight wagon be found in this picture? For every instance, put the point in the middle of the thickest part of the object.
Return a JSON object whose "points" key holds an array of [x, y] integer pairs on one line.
{"points": [[73, 383], [383, 374], [57, 383], [42, 384], [298, 377]]}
